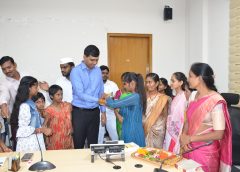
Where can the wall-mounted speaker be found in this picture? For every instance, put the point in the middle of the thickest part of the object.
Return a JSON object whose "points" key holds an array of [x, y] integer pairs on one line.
{"points": [[167, 14]]}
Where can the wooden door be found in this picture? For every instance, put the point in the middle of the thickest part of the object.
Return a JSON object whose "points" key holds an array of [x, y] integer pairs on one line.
{"points": [[129, 53]]}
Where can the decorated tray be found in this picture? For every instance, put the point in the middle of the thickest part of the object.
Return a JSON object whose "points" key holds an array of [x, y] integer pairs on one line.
{"points": [[156, 156]]}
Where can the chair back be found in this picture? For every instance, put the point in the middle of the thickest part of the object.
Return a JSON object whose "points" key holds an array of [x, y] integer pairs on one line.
{"points": [[234, 112]]}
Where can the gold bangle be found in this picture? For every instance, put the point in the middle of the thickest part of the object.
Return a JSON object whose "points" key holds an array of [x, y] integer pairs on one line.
{"points": [[190, 140]]}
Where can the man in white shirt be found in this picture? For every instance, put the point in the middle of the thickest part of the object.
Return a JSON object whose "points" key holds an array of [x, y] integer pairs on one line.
{"points": [[8, 90], [2, 127], [110, 88], [66, 66]]}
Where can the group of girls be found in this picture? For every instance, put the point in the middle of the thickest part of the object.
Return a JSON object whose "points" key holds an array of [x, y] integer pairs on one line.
{"points": [[48, 128], [156, 118]]}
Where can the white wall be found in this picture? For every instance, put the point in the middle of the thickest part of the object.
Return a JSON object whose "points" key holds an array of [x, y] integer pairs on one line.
{"points": [[194, 36], [207, 38], [38, 33], [219, 41]]}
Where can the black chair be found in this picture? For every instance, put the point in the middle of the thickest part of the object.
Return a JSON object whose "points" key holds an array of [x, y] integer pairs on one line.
{"points": [[235, 169], [233, 99]]}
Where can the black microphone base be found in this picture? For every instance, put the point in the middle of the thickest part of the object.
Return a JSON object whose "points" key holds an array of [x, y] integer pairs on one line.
{"points": [[159, 170], [41, 166]]}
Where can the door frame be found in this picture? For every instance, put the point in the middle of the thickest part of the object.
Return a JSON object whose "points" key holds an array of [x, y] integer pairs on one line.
{"points": [[133, 35]]}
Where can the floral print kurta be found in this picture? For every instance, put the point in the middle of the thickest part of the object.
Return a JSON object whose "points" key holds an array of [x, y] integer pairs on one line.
{"points": [[60, 123], [26, 137]]}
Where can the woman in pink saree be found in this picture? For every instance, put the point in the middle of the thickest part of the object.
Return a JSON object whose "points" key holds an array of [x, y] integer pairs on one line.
{"points": [[207, 120], [175, 118]]}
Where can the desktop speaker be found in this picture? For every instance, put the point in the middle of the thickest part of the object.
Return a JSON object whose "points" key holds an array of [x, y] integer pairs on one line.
{"points": [[167, 13]]}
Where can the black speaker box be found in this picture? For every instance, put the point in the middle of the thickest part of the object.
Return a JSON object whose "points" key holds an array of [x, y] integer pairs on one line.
{"points": [[167, 13]]}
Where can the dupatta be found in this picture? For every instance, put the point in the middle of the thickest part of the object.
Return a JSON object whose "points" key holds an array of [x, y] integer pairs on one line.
{"points": [[155, 112], [175, 123]]}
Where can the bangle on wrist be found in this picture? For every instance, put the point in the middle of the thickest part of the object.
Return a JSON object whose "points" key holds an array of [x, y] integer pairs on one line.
{"points": [[38, 130], [190, 139]]}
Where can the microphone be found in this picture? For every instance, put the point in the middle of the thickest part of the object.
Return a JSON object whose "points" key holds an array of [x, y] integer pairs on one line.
{"points": [[180, 154], [193, 149], [41, 165]]}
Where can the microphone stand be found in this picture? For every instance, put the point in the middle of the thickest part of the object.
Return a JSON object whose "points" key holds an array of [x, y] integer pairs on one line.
{"points": [[180, 154], [41, 165]]}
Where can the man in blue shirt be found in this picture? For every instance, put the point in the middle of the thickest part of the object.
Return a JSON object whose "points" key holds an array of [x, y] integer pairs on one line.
{"points": [[87, 84]]}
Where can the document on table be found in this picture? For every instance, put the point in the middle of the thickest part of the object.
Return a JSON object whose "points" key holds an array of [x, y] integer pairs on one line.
{"points": [[2, 160]]}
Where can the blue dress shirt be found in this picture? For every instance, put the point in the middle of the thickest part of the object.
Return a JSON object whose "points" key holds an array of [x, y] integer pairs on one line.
{"points": [[87, 87]]}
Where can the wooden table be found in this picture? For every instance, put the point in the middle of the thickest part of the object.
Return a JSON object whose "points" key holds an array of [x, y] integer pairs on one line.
{"points": [[80, 160]]}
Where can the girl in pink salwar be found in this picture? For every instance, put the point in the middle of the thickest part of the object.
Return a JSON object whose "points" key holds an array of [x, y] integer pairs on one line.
{"points": [[207, 120], [175, 118]]}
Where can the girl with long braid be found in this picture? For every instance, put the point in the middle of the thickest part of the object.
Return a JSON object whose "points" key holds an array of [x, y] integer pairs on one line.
{"points": [[132, 108]]}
